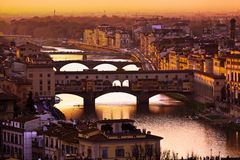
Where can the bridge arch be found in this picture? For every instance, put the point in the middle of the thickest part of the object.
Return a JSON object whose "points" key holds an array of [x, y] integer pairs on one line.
{"points": [[73, 67], [126, 83], [117, 83], [130, 67], [106, 67]]}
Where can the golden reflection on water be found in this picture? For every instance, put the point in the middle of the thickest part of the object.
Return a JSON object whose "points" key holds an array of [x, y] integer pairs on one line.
{"points": [[180, 134], [115, 111], [67, 57]]}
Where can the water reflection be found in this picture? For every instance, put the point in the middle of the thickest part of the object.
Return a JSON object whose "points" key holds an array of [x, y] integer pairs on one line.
{"points": [[66, 57], [165, 118]]}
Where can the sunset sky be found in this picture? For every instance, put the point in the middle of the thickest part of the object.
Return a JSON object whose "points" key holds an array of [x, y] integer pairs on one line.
{"points": [[86, 6]]}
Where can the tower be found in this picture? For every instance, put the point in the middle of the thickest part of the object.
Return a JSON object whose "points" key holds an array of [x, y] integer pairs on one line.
{"points": [[232, 29]]}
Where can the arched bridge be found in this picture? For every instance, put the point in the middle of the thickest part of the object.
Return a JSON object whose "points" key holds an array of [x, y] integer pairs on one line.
{"points": [[142, 84], [92, 64]]}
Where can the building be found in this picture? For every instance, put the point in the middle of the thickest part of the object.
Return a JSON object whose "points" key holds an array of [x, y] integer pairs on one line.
{"points": [[60, 141], [208, 87], [118, 139], [28, 49], [233, 76], [107, 36], [17, 137], [219, 66], [43, 80]]}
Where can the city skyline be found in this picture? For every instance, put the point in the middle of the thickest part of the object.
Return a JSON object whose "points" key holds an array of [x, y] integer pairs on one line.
{"points": [[29, 7]]}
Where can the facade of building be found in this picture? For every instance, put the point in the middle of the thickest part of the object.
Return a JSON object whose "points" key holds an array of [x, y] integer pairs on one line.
{"points": [[233, 76], [114, 141], [17, 135], [209, 87], [107, 36], [43, 80]]}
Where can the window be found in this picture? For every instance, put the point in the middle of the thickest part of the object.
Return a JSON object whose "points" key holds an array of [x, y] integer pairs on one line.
{"points": [[16, 139], [46, 142], [40, 82], [104, 152], [49, 82], [40, 75], [66, 77], [49, 88], [20, 139], [51, 143], [49, 75], [149, 150], [12, 138], [30, 75], [56, 146], [4, 136], [41, 88], [76, 77], [89, 152], [119, 152]]}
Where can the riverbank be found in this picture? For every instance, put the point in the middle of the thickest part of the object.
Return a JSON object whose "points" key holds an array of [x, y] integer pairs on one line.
{"points": [[206, 112], [189, 101]]}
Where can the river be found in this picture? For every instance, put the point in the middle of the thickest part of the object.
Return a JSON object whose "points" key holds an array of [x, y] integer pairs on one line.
{"points": [[166, 118]]}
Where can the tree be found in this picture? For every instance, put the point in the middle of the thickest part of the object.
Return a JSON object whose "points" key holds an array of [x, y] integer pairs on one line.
{"points": [[30, 103], [107, 128]]}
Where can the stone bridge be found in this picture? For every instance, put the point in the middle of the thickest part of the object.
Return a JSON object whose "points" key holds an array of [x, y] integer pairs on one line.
{"points": [[142, 84]]}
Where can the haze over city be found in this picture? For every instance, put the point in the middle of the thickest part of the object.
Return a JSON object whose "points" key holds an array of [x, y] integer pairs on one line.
{"points": [[44, 7], [119, 80]]}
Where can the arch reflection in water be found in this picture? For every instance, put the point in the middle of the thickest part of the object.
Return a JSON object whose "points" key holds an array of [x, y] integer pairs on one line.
{"points": [[118, 98], [105, 67], [73, 67], [163, 99], [71, 105]]}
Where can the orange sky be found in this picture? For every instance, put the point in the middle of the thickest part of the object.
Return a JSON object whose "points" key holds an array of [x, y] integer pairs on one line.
{"points": [[80, 6]]}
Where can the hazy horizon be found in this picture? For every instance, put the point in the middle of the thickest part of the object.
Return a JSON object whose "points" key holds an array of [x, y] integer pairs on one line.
{"points": [[80, 7]]}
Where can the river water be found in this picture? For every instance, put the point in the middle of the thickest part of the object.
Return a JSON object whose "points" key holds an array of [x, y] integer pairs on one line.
{"points": [[166, 118]]}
